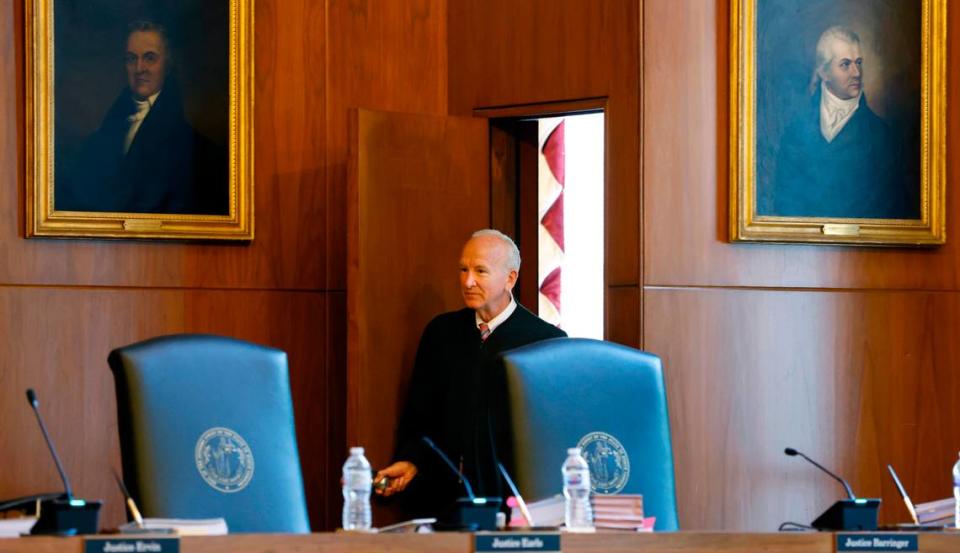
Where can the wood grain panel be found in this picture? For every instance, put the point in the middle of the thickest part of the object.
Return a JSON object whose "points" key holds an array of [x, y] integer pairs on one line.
{"points": [[389, 56], [622, 315], [456, 542], [416, 196], [685, 167], [506, 53], [460, 542], [540, 51], [57, 340], [11, 96], [856, 380]]}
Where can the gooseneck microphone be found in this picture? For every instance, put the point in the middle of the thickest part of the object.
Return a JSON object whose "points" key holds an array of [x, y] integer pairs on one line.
{"points": [[35, 405], [468, 513], [793, 452], [63, 515], [449, 463]]}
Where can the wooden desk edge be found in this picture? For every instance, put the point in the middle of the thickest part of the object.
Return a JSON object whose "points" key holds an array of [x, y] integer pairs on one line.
{"points": [[607, 542]]}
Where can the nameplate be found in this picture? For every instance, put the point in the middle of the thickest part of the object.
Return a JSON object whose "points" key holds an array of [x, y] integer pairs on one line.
{"points": [[840, 230], [876, 542], [131, 545], [515, 541], [142, 224]]}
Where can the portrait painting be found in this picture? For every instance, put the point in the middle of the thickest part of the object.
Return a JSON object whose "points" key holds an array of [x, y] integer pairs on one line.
{"points": [[839, 117], [139, 118]]}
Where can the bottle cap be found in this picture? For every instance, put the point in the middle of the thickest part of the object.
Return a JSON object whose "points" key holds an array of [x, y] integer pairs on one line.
{"points": [[573, 451], [356, 451]]}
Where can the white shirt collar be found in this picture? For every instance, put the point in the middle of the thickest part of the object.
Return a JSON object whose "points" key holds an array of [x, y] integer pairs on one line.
{"points": [[136, 118], [834, 112], [143, 106], [502, 316]]}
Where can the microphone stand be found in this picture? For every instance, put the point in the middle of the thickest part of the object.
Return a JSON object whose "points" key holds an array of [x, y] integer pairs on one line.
{"points": [[472, 512], [62, 515], [846, 514]]}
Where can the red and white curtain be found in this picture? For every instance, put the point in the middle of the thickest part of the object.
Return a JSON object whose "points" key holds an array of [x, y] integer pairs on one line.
{"points": [[550, 211]]}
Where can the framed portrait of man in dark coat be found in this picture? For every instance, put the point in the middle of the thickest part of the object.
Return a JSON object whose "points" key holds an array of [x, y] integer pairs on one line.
{"points": [[837, 112], [138, 118]]}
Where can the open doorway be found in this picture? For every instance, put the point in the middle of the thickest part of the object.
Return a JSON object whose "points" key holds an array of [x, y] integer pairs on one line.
{"points": [[547, 190]]}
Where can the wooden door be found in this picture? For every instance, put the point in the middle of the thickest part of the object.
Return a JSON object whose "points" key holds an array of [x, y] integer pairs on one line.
{"points": [[418, 187]]}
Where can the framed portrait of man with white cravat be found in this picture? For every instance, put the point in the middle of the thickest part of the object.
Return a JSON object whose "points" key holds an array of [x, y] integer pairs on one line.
{"points": [[138, 118], [837, 118]]}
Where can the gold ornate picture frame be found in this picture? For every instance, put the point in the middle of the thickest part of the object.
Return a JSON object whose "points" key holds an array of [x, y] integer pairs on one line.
{"points": [[139, 119], [811, 159]]}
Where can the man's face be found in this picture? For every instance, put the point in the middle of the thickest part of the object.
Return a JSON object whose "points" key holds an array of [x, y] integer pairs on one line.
{"points": [[844, 75], [146, 62], [485, 281]]}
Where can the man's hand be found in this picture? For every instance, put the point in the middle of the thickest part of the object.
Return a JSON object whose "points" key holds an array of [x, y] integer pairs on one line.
{"points": [[399, 476]]}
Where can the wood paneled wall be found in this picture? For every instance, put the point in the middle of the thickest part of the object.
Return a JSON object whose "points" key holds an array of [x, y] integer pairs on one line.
{"points": [[844, 353], [64, 304], [847, 354], [506, 53]]}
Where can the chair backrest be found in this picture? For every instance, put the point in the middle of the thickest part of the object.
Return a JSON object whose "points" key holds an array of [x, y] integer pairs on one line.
{"points": [[207, 430], [606, 398]]}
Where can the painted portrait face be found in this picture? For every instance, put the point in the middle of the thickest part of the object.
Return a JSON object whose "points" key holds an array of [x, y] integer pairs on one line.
{"points": [[485, 280], [844, 75], [146, 62]]}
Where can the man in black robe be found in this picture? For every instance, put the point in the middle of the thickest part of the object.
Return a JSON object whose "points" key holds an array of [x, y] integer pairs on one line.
{"points": [[457, 395]]}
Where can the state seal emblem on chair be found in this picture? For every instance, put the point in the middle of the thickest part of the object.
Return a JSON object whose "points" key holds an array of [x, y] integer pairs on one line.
{"points": [[224, 460], [608, 460]]}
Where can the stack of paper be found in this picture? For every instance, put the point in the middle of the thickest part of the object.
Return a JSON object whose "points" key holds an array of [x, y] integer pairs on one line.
{"points": [[546, 512], [620, 512], [182, 526], [624, 511], [14, 527]]}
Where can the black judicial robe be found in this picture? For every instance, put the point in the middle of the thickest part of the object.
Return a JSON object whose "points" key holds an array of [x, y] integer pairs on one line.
{"points": [[457, 399]]}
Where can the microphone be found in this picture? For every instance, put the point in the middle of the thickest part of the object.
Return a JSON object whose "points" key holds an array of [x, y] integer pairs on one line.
{"points": [[62, 515], [466, 483], [793, 452], [35, 405], [846, 514], [472, 512]]}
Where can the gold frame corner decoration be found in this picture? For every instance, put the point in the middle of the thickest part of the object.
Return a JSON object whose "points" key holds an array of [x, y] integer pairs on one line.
{"points": [[746, 224], [43, 220]]}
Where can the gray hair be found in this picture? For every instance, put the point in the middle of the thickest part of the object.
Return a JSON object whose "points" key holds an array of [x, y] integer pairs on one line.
{"points": [[513, 253], [825, 53], [837, 32]]}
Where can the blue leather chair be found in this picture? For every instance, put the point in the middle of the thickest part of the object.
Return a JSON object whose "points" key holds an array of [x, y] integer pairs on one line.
{"points": [[206, 430], [607, 398]]}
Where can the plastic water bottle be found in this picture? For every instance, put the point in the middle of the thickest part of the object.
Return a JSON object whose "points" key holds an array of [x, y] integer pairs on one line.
{"points": [[578, 515], [357, 481], [956, 494]]}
